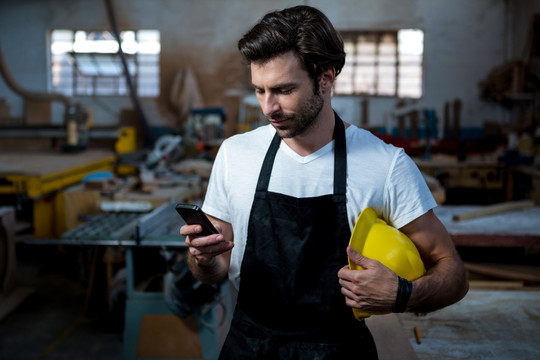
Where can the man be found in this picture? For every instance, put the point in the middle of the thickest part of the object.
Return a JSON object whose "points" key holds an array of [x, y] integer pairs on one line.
{"points": [[285, 197]]}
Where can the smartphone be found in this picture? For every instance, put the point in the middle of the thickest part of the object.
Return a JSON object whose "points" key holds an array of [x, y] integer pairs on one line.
{"points": [[193, 215]]}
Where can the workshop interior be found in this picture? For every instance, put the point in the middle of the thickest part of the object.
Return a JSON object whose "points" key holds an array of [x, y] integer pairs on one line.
{"points": [[113, 111]]}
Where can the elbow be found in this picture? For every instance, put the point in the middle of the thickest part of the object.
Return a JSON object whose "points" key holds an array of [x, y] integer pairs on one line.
{"points": [[463, 288], [460, 280], [459, 284]]}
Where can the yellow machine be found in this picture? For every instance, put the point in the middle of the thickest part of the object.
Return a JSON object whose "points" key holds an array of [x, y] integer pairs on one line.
{"points": [[43, 175], [375, 239]]}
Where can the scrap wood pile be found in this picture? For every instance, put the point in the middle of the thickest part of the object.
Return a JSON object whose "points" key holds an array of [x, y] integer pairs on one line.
{"points": [[513, 78], [503, 276], [521, 272], [519, 77]]}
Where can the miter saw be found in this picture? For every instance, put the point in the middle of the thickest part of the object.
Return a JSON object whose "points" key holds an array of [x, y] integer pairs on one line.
{"points": [[167, 148]]}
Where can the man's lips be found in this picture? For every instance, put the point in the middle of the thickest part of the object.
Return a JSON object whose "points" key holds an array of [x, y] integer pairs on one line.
{"points": [[279, 121]]}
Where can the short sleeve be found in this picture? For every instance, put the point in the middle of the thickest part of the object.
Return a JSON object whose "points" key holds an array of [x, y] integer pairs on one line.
{"points": [[407, 195]]}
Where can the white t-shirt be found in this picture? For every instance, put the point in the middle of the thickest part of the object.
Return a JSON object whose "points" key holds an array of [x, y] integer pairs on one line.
{"points": [[379, 175]]}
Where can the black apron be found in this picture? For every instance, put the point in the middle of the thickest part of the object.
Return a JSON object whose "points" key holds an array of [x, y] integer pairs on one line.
{"points": [[290, 304]]}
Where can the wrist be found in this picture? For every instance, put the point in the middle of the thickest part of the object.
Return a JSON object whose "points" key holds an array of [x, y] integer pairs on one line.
{"points": [[403, 295]]}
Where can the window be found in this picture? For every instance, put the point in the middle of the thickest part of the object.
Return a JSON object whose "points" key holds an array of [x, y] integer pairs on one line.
{"points": [[385, 63], [88, 62]]}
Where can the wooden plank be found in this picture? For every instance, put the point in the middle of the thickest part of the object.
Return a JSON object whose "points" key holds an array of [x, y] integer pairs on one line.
{"points": [[78, 202], [510, 229], [390, 338], [498, 271], [495, 285], [37, 112], [46, 162], [493, 209], [168, 336]]}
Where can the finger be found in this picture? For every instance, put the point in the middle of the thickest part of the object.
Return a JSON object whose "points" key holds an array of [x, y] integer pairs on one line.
{"points": [[358, 258], [206, 241], [352, 299], [209, 245], [347, 293], [211, 251], [352, 287], [187, 230], [346, 285], [207, 252], [342, 273]]}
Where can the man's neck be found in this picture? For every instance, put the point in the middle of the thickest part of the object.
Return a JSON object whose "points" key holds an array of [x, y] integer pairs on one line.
{"points": [[317, 137]]}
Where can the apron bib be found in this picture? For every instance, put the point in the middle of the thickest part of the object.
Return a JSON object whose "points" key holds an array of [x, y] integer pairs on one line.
{"points": [[290, 304]]}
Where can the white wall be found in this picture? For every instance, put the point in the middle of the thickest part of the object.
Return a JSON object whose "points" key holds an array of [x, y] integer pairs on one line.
{"points": [[464, 40]]}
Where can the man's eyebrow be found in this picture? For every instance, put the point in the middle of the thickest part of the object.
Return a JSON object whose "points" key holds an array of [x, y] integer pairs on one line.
{"points": [[277, 86]]}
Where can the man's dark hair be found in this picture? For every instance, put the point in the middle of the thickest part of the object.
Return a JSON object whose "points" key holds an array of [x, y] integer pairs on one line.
{"points": [[304, 30]]}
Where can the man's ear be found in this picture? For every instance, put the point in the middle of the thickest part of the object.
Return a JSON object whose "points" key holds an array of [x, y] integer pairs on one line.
{"points": [[327, 78]]}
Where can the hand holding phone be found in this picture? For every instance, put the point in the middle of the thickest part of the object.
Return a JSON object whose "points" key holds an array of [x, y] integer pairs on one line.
{"points": [[210, 266], [193, 215]]}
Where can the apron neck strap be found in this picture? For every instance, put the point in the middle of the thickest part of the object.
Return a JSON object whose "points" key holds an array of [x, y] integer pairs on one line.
{"points": [[340, 160], [340, 157]]}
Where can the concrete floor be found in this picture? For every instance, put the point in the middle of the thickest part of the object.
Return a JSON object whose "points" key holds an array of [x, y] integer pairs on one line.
{"points": [[486, 324], [50, 324]]}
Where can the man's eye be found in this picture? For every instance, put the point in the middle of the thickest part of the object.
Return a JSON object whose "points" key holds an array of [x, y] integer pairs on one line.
{"points": [[286, 91], [259, 91]]}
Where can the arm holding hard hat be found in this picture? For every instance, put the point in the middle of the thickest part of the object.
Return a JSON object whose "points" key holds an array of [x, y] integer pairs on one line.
{"points": [[209, 256], [445, 281], [374, 289]]}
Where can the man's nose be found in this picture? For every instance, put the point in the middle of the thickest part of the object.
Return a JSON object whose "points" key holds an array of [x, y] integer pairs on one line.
{"points": [[269, 104]]}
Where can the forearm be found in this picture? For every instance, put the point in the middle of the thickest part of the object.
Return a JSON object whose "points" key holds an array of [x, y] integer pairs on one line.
{"points": [[445, 281], [444, 284]]}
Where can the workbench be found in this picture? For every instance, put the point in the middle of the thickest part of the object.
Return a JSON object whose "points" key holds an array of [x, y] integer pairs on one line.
{"points": [[41, 175], [38, 173], [483, 173], [519, 229], [151, 330], [486, 174]]}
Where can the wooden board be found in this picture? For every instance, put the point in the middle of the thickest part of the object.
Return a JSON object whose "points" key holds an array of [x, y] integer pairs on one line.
{"points": [[480, 173], [390, 339], [493, 209], [46, 162], [168, 336], [519, 228], [506, 271], [37, 112], [76, 203]]}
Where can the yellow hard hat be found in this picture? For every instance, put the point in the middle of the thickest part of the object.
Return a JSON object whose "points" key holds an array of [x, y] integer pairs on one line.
{"points": [[375, 239]]}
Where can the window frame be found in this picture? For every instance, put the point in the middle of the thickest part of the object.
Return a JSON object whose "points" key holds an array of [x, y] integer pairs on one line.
{"points": [[68, 78], [352, 38]]}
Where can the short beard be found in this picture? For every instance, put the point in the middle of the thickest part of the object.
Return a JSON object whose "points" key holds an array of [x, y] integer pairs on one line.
{"points": [[306, 117]]}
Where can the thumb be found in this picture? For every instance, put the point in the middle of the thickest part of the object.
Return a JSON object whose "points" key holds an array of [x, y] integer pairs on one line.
{"points": [[357, 258]]}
